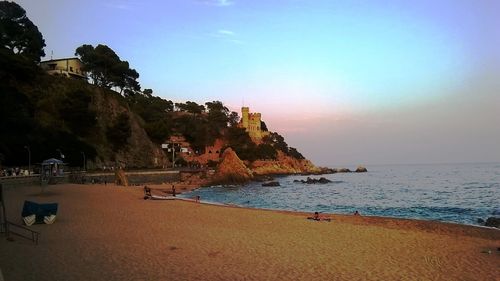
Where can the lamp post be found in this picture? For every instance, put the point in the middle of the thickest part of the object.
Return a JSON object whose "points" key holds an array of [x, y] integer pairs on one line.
{"points": [[84, 162], [29, 158]]}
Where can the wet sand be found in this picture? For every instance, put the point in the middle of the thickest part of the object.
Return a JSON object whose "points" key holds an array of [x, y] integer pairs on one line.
{"points": [[111, 233]]}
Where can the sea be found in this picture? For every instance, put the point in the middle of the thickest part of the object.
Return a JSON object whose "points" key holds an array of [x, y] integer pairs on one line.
{"points": [[458, 193]]}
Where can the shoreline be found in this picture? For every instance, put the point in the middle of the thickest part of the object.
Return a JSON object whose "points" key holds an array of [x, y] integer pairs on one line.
{"points": [[338, 214], [374, 220], [112, 233]]}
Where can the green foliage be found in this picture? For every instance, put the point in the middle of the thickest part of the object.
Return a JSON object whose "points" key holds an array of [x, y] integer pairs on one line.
{"points": [[217, 115], [16, 66], [212, 163], [76, 112], [18, 34], [295, 154], [150, 108], [159, 130], [155, 111], [263, 126], [191, 107], [20, 128], [195, 130], [277, 141], [119, 131], [241, 143], [233, 119], [106, 69], [265, 151]]}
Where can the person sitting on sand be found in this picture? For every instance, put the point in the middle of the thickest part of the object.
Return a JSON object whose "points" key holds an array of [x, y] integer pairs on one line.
{"points": [[317, 217], [356, 213], [147, 192]]}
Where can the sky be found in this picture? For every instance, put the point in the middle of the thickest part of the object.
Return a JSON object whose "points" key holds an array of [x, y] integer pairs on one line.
{"points": [[345, 82]]}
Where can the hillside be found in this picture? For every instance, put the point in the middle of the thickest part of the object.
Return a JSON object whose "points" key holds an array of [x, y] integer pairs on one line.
{"points": [[55, 115]]}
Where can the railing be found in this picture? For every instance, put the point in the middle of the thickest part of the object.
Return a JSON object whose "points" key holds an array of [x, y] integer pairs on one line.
{"points": [[28, 233]]}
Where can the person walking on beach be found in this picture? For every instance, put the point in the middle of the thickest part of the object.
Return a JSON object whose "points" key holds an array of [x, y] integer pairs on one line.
{"points": [[173, 190]]}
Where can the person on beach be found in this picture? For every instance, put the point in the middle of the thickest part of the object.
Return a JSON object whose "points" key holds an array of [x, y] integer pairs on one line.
{"points": [[317, 217], [173, 190], [356, 213]]}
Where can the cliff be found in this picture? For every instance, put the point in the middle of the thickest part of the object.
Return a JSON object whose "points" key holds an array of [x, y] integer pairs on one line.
{"points": [[231, 169], [284, 164], [138, 150]]}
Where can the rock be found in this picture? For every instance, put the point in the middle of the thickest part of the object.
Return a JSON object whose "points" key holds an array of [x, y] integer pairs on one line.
{"points": [[231, 169], [493, 222], [283, 165], [361, 169], [263, 178], [309, 180], [324, 180], [343, 170], [271, 183]]}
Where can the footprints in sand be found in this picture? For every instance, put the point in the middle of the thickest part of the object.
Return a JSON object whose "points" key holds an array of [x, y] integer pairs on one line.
{"points": [[433, 261]]}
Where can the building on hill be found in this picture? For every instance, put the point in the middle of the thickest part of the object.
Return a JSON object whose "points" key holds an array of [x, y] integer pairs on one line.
{"points": [[252, 124], [68, 67], [182, 148]]}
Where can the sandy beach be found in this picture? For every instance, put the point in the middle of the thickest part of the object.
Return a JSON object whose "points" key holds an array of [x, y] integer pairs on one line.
{"points": [[111, 233]]}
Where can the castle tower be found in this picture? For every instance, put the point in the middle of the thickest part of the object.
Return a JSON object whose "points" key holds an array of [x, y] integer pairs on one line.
{"points": [[252, 124], [244, 117]]}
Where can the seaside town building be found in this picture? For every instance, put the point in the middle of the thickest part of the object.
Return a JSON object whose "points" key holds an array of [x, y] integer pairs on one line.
{"points": [[67, 67], [252, 124], [183, 149]]}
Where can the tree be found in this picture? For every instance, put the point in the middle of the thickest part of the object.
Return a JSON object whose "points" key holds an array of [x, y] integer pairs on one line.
{"points": [[18, 34], [119, 132], [107, 70], [233, 119], [76, 112], [277, 141], [263, 126], [241, 143], [217, 115], [295, 154], [191, 107]]}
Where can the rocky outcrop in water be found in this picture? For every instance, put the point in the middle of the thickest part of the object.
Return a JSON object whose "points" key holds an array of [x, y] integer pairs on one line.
{"points": [[309, 180], [493, 222], [361, 169], [271, 183], [231, 170]]}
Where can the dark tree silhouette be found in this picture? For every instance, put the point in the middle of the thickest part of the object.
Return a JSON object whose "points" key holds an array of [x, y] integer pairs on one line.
{"points": [[18, 34]]}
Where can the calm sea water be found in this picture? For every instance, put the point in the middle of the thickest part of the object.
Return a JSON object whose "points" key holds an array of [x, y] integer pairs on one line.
{"points": [[459, 193]]}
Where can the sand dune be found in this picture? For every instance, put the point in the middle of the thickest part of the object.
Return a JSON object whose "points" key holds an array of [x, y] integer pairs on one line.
{"points": [[111, 233]]}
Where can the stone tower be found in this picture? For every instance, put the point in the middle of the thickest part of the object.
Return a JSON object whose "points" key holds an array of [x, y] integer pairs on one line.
{"points": [[251, 123], [244, 117]]}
